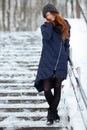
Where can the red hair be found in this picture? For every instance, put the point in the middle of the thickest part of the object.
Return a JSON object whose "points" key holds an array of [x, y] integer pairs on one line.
{"points": [[65, 28]]}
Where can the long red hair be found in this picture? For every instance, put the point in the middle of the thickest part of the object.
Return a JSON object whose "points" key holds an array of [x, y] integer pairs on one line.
{"points": [[65, 28]]}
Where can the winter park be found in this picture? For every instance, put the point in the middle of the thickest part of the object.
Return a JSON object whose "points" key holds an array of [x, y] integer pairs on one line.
{"points": [[43, 64]]}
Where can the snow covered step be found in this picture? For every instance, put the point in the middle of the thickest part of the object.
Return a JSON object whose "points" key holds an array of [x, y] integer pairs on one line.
{"points": [[33, 99], [15, 87], [19, 54], [20, 59], [41, 109], [23, 114], [10, 74], [16, 84], [15, 65], [15, 71], [31, 125], [19, 51], [6, 79], [13, 80], [33, 47], [16, 107], [30, 80], [22, 101], [19, 92], [16, 78], [43, 105], [17, 74], [43, 128], [18, 67], [34, 67], [33, 90]]}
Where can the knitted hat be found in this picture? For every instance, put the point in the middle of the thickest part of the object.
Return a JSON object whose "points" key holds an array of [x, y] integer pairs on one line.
{"points": [[49, 8]]}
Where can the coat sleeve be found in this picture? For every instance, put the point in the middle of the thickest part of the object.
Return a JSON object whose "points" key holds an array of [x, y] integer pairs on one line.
{"points": [[67, 45], [46, 30]]}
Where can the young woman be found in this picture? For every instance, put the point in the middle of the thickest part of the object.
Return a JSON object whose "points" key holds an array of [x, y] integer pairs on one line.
{"points": [[55, 39]]}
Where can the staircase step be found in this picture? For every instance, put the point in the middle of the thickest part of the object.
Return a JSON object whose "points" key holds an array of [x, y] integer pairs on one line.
{"points": [[32, 106], [15, 72], [16, 84], [36, 125], [19, 92], [22, 98], [23, 114]]}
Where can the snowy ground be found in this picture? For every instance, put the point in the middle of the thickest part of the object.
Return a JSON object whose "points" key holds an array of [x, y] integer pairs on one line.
{"points": [[79, 57]]}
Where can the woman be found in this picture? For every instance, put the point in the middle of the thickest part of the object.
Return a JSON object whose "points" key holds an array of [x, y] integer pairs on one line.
{"points": [[55, 39]]}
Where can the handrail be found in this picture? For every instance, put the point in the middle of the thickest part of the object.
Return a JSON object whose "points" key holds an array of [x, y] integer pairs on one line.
{"points": [[78, 84], [84, 98], [77, 101]]}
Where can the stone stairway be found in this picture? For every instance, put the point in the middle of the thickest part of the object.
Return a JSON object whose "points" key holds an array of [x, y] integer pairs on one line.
{"points": [[29, 107], [21, 106]]}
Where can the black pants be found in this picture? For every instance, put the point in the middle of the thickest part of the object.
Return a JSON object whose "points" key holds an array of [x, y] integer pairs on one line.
{"points": [[53, 99]]}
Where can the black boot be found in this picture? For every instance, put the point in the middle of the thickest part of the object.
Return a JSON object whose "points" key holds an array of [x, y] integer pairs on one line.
{"points": [[50, 118], [56, 116]]}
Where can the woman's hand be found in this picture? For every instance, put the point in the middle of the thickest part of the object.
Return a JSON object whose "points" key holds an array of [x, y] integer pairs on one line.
{"points": [[49, 21]]}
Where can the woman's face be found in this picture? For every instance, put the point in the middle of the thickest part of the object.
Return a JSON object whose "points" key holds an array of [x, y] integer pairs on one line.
{"points": [[50, 16]]}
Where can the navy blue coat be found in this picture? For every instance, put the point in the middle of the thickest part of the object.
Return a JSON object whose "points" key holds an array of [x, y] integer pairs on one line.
{"points": [[50, 50]]}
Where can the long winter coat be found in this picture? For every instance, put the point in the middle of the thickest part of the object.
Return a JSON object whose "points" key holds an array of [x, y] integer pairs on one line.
{"points": [[50, 50]]}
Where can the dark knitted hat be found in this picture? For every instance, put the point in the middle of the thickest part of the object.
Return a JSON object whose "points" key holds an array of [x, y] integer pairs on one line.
{"points": [[49, 8]]}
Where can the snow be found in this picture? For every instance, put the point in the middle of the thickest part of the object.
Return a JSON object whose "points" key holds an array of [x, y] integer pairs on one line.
{"points": [[21, 42], [79, 57]]}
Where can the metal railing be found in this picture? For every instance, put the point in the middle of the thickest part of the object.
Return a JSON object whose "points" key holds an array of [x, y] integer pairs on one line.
{"points": [[72, 71]]}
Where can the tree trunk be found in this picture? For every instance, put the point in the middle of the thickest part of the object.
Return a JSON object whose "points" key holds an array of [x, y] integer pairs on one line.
{"points": [[15, 14], [82, 11], [8, 14], [72, 9], [77, 10], [24, 14], [66, 11], [3, 15]]}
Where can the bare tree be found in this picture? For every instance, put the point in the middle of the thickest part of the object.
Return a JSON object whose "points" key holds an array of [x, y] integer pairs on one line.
{"points": [[72, 9], [15, 13], [66, 7], [8, 14], [77, 10], [30, 15], [3, 15], [26, 14], [81, 10], [24, 10]]}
